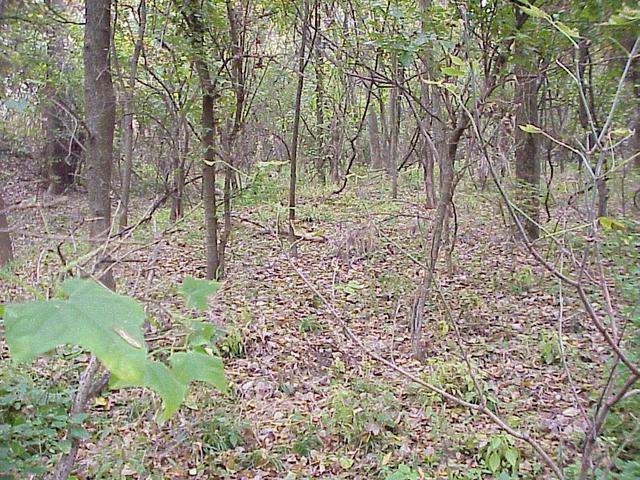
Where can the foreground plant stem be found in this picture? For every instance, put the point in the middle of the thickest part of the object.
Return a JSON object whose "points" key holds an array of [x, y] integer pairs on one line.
{"points": [[86, 391]]}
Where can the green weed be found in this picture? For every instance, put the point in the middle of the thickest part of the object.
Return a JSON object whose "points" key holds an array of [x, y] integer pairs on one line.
{"points": [[362, 419], [523, 280], [500, 455], [33, 425]]}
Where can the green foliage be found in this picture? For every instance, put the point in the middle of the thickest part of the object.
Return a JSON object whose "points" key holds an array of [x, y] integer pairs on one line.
{"points": [[523, 280], [192, 366], [262, 458], [202, 335], [309, 324], [454, 378], [205, 337], [91, 316], [232, 344], [626, 470], [33, 425], [266, 186], [549, 347], [110, 327], [351, 288], [196, 291], [403, 472], [363, 416], [223, 432], [305, 443], [500, 455]]}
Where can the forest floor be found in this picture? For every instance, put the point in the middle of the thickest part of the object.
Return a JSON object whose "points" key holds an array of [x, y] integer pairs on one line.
{"points": [[305, 401]]}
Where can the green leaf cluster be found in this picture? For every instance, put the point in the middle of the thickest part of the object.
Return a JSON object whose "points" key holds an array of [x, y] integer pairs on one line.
{"points": [[109, 326]]}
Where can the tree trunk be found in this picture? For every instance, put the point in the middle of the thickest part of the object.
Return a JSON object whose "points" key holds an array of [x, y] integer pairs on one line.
{"points": [[177, 205], [100, 119], [633, 79], [336, 145], [427, 157], [296, 131], [447, 172], [194, 21], [394, 128], [62, 150], [321, 128], [374, 139], [527, 161], [209, 183], [6, 249], [128, 117], [430, 99]]}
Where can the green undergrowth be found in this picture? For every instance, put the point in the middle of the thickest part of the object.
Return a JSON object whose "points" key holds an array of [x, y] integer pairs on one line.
{"points": [[35, 427]]}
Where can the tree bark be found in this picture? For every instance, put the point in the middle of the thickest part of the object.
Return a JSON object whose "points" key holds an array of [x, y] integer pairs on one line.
{"points": [[374, 139], [194, 21], [128, 117], [100, 119], [62, 149], [6, 248], [394, 126], [633, 79], [336, 145], [296, 131], [236, 34], [178, 174], [430, 99], [527, 161], [321, 128], [209, 181]]}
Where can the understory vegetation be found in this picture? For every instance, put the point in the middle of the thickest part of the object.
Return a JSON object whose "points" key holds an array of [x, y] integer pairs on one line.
{"points": [[303, 400]]}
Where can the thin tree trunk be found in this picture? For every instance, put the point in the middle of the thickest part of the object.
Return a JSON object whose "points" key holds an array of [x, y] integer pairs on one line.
{"points": [[238, 77], [444, 202], [209, 183], [177, 205], [588, 122], [527, 161], [336, 146], [6, 248], [429, 99], [62, 150], [426, 154], [321, 128], [394, 124], [128, 117], [296, 131], [374, 139], [194, 21], [633, 79], [384, 134]]}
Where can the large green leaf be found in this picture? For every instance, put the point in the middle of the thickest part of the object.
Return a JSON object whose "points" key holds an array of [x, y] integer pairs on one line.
{"points": [[196, 291], [162, 380], [190, 366], [93, 317], [110, 327]]}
